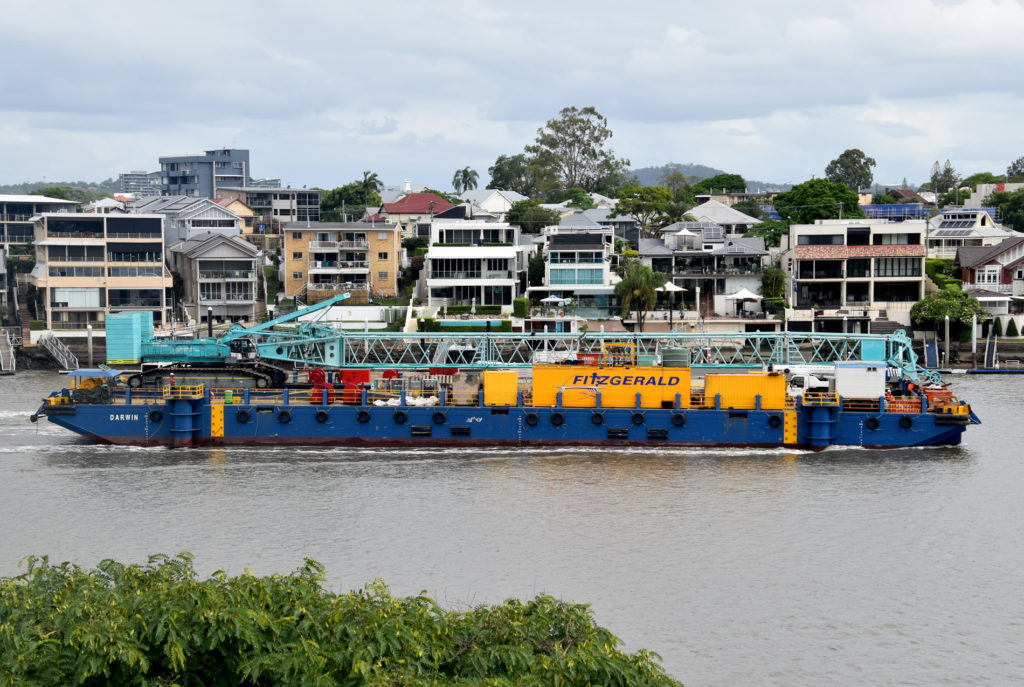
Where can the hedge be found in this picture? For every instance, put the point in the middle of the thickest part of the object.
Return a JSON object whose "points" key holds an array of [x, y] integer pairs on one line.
{"points": [[521, 307], [428, 324], [160, 624]]}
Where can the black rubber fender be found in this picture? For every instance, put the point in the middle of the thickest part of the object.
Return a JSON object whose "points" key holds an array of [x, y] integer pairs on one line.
{"points": [[532, 419], [400, 417], [242, 415], [597, 418], [439, 417], [774, 421], [321, 416], [363, 415], [284, 416], [871, 423], [638, 418], [678, 419], [557, 419], [906, 422], [155, 415]]}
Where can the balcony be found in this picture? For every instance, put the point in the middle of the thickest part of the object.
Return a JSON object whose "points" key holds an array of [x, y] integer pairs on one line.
{"points": [[356, 266], [456, 274], [338, 245], [226, 274], [147, 303], [338, 286], [227, 298]]}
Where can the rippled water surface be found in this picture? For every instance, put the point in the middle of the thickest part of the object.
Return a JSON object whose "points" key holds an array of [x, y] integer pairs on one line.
{"points": [[738, 567]]}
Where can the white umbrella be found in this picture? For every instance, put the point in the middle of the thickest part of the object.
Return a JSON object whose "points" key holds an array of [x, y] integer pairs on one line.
{"points": [[743, 295], [669, 287], [553, 299]]}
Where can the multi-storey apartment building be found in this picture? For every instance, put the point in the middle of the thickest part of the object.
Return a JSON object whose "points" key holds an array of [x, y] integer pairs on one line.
{"points": [[16, 226], [274, 207], [327, 258], [203, 175], [140, 184], [88, 265], [185, 217], [870, 265], [472, 261], [219, 275]]}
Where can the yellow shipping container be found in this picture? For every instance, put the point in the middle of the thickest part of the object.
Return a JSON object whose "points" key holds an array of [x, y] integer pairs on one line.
{"points": [[741, 390], [501, 387], [618, 386]]}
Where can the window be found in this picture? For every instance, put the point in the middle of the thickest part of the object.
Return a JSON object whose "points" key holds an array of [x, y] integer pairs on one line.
{"points": [[238, 291], [296, 275], [382, 275], [297, 235], [297, 255], [1019, 274], [209, 291], [897, 267], [382, 235], [988, 274], [76, 298], [382, 255]]}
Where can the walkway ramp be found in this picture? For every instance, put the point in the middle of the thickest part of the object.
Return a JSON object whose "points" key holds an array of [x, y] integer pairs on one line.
{"points": [[991, 353], [60, 352], [931, 354], [7, 362]]}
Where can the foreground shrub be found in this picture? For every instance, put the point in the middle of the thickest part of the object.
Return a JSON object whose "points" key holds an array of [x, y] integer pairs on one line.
{"points": [[158, 624]]}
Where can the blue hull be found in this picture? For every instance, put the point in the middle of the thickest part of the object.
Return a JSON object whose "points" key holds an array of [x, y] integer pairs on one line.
{"points": [[197, 423]]}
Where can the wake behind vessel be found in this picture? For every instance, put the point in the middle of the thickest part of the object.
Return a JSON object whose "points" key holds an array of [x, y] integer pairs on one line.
{"points": [[736, 389]]}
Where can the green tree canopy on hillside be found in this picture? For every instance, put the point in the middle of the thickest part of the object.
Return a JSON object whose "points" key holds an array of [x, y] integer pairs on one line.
{"points": [[643, 203], [730, 183], [818, 199], [930, 312], [575, 146], [1010, 205], [348, 202]]}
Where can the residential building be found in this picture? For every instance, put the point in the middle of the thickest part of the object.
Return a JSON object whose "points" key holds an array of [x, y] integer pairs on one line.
{"points": [[870, 266], [204, 175], [105, 206], [275, 207], [954, 229], [185, 217], [492, 201], [16, 220], [708, 262], [140, 184], [983, 191], [89, 265], [327, 258], [474, 262], [732, 221], [578, 265], [410, 211], [220, 276], [4, 286], [994, 274]]}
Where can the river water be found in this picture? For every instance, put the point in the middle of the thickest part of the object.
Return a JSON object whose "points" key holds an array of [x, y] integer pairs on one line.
{"points": [[737, 567]]}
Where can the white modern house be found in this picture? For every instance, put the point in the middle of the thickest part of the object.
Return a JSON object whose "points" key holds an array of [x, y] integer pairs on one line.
{"points": [[952, 230], [474, 262], [220, 276]]}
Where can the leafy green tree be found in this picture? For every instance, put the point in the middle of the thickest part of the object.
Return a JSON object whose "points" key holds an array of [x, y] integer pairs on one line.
{"points": [[931, 312], [1011, 328], [972, 181], [674, 211], [771, 230], [574, 146], [347, 202], [997, 327], [773, 282], [944, 178], [852, 168], [1010, 205], [638, 290], [465, 179], [818, 199], [730, 183], [370, 183], [1015, 168], [454, 200], [883, 199], [160, 624], [531, 217], [522, 174], [749, 207], [643, 203], [676, 182], [578, 198]]}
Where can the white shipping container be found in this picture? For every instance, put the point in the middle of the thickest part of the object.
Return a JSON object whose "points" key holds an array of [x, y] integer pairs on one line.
{"points": [[860, 379]]}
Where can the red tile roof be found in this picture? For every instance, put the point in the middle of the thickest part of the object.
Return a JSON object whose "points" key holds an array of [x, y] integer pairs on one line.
{"points": [[417, 203], [844, 252]]}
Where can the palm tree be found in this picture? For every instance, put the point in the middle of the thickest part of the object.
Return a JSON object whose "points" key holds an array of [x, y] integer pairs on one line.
{"points": [[464, 179], [638, 290], [371, 183]]}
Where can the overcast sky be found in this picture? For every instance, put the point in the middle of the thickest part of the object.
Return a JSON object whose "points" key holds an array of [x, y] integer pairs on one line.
{"points": [[320, 91]]}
